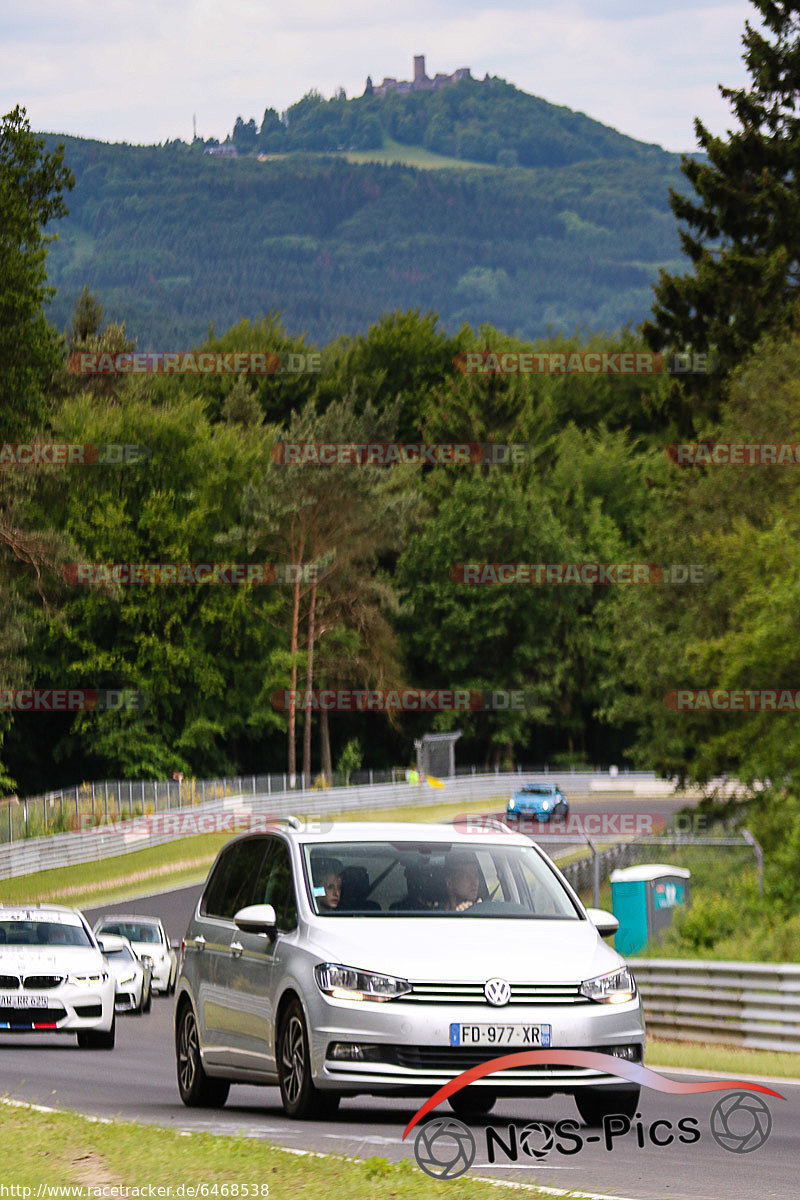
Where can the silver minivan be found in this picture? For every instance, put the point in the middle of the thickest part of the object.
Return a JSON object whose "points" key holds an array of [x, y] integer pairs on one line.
{"points": [[387, 959]]}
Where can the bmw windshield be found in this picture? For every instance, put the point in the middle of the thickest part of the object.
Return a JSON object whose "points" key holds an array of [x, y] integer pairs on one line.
{"points": [[433, 879]]}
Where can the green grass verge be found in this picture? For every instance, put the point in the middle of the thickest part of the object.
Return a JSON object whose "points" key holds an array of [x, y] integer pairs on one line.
{"points": [[63, 1149], [702, 1056]]}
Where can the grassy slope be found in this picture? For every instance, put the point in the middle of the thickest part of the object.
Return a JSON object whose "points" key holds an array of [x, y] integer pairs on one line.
{"points": [[72, 1150]]}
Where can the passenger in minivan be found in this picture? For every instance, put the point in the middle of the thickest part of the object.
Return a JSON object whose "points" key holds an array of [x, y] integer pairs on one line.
{"points": [[328, 875]]}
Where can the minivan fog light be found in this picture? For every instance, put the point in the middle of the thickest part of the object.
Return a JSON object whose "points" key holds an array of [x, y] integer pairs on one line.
{"points": [[632, 1053], [353, 1052], [615, 988]]}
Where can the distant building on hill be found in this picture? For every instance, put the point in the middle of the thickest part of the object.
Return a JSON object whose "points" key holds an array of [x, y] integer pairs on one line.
{"points": [[226, 151], [420, 83]]}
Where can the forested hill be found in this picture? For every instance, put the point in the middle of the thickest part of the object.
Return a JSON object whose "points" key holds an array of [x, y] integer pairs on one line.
{"points": [[172, 239], [488, 121]]}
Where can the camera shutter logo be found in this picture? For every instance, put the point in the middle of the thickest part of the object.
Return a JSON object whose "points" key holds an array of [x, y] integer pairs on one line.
{"points": [[741, 1122], [444, 1148], [497, 992], [536, 1139]]}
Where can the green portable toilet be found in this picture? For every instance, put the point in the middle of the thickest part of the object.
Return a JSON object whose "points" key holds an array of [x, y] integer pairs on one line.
{"points": [[644, 899]]}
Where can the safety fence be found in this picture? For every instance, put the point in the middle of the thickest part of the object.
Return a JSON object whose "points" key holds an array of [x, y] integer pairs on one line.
{"points": [[121, 835], [756, 1005], [98, 803]]}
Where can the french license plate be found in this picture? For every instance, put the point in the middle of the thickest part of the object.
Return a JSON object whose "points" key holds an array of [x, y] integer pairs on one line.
{"points": [[22, 1000], [533, 1036]]}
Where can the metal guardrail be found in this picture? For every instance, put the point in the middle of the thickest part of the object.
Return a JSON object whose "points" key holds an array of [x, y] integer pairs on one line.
{"points": [[234, 813], [756, 1005], [108, 800]]}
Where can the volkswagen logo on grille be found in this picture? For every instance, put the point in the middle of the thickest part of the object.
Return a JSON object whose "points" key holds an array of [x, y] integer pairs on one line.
{"points": [[497, 992]]}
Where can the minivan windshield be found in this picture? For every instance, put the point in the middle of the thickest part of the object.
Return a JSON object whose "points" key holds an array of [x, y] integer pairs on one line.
{"points": [[433, 879]]}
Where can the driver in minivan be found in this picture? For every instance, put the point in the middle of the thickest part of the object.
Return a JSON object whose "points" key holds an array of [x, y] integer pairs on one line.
{"points": [[462, 879]]}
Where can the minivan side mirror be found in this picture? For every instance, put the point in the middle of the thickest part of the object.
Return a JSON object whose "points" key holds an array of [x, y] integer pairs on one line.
{"points": [[256, 918], [604, 922], [101, 944]]}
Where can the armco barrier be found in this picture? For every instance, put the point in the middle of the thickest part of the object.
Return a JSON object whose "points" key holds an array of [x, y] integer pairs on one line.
{"points": [[91, 845], [756, 1005]]}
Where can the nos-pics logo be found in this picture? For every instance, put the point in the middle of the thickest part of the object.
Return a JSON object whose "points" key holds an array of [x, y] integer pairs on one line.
{"points": [[740, 1122]]}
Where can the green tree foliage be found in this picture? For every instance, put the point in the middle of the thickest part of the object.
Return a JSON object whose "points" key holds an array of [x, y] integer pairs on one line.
{"points": [[741, 231], [32, 183]]}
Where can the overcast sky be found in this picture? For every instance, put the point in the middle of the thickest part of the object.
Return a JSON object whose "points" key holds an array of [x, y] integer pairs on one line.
{"points": [[137, 70]]}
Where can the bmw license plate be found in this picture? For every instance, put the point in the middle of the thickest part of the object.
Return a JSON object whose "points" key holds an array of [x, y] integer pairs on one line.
{"points": [[534, 1037], [22, 1000]]}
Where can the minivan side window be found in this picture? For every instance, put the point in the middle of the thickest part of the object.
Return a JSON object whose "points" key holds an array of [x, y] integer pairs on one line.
{"points": [[275, 886], [233, 881]]}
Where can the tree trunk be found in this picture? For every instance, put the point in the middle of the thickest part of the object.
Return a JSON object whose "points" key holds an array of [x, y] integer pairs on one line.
{"points": [[293, 685], [312, 611], [325, 745]]}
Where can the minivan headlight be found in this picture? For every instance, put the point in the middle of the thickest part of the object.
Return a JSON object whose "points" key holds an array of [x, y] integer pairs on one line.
{"points": [[615, 988], [347, 983]]}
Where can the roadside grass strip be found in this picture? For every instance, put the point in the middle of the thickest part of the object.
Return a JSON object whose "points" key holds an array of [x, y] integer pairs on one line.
{"points": [[702, 1058], [46, 1148]]}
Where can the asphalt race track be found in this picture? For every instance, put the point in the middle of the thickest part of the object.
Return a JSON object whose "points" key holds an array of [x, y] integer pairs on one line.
{"points": [[137, 1082]]}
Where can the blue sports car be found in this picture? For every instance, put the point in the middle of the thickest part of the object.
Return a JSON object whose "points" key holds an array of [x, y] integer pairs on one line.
{"points": [[540, 801]]}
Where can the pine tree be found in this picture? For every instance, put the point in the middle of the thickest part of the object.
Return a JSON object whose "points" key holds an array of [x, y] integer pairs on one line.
{"points": [[742, 228]]}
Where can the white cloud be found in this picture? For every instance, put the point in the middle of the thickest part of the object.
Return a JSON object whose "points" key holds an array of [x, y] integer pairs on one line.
{"points": [[138, 71]]}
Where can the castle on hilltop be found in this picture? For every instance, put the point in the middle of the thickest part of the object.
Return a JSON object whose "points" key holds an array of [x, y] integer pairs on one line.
{"points": [[420, 82]]}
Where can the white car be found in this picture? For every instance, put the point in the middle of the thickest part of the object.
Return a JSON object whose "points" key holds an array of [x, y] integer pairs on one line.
{"points": [[53, 976], [149, 940], [133, 975]]}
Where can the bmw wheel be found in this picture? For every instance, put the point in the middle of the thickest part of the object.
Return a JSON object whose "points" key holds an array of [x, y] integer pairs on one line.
{"points": [[197, 1089], [299, 1097], [98, 1039]]}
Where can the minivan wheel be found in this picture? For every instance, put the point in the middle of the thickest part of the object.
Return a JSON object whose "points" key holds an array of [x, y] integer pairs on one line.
{"points": [[595, 1103], [197, 1089], [471, 1102], [299, 1097]]}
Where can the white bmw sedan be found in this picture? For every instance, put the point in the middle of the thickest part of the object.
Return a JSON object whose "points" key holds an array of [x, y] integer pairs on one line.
{"points": [[53, 976]]}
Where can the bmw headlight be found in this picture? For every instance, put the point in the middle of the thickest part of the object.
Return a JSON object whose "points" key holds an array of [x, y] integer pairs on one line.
{"points": [[615, 988], [347, 983], [85, 980], [129, 978]]}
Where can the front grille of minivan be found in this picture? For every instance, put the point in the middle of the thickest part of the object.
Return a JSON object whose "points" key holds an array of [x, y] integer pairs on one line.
{"points": [[540, 994]]}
